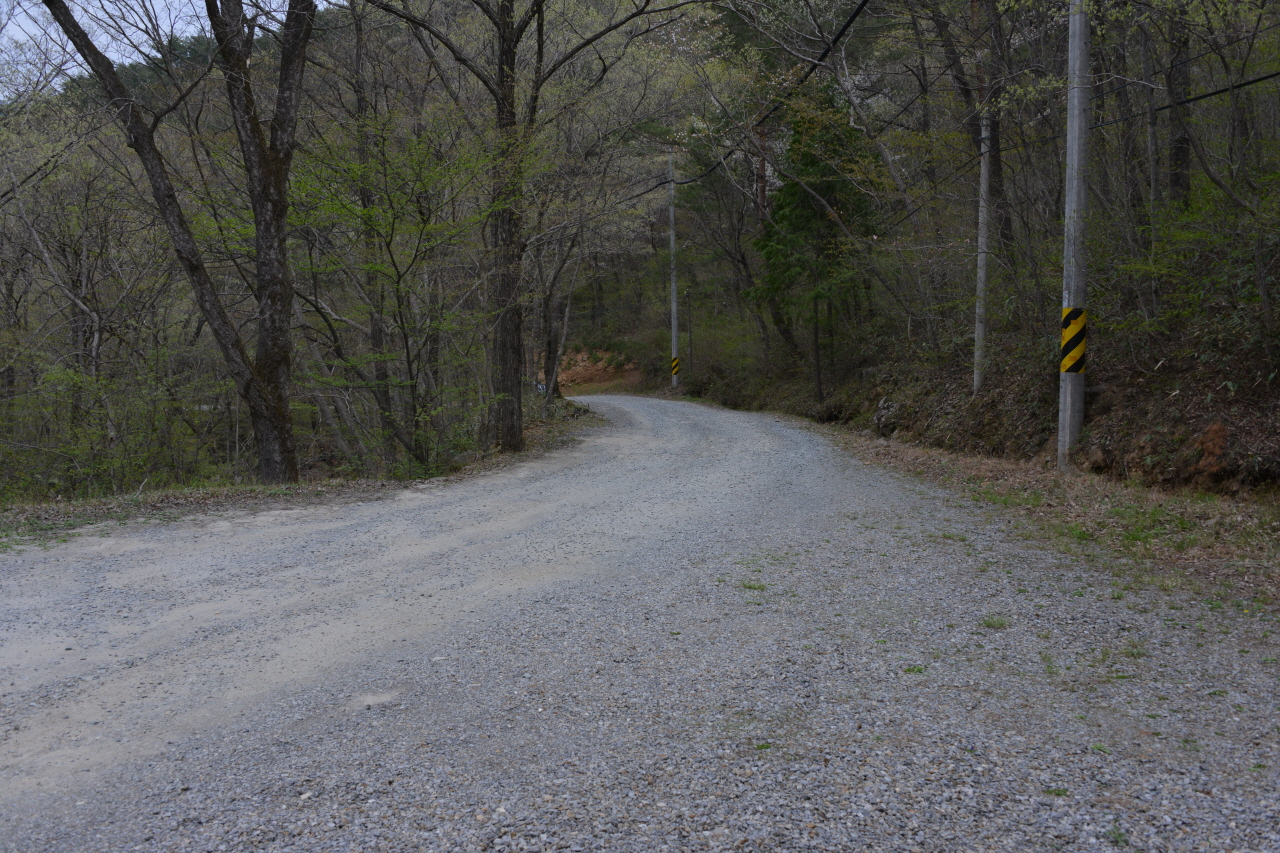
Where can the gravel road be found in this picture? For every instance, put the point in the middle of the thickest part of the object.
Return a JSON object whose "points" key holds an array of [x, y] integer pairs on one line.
{"points": [[694, 629]]}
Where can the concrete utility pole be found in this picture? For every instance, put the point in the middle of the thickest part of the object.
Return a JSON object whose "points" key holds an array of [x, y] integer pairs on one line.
{"points": [[984, 232], [688, 327], [1072, 363], [1153, 148], [675, 323]]}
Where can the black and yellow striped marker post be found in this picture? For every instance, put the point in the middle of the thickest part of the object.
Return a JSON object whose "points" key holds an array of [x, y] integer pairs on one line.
{"points": [[1073, 340], [675, 367]]}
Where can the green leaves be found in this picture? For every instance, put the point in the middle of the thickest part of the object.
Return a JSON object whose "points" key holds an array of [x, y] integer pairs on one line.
{"points": [[819, 206]]}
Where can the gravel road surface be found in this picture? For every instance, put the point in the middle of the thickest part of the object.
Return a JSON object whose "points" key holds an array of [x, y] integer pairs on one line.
{"points": [[695, 629]]}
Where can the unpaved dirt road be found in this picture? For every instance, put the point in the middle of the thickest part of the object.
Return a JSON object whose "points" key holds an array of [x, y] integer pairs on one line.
{"points": [[695, 629]]}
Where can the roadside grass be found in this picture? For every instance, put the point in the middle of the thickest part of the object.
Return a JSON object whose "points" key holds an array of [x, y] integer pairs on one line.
{"points": [[756, 562], [41, 524], [25, 525], [1117, 836], [1050, 668], [1222, 547], [1134, 649]]}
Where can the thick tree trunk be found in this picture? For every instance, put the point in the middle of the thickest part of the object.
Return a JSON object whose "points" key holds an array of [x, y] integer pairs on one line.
{"points": [[508, 334], [817, 356], [268, 157], [263, 382], [1177, 78], [506, 223], [273, 361]]}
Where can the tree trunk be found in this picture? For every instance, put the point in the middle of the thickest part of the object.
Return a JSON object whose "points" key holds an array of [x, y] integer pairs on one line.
{"points": [[506, 412], [984, 230], [783, 326], [262, 382], [508, 334], [1177, 78], [1153, 147], [1260, 267], [371, 283], [551, 352], [817, 355], [553, 378]]}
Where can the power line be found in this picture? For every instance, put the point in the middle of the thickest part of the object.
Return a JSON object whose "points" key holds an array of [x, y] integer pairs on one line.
{"points": [[813, 66], [964, 167], [693, 180], [1215, 92], [778, 102], [925, 88], [1128, 83]]}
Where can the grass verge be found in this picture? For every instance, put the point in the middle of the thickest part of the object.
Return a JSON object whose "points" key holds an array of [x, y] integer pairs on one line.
{"points": [[1218, 545], [41, 524]]}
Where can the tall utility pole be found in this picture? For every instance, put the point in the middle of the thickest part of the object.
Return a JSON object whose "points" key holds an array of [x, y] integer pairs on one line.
{"points": [[1071, 366], [675, 323], [984, 233], [688, 327], [1153, 148], [984, 199]]}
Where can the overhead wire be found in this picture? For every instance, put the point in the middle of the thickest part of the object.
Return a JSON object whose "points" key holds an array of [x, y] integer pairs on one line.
{"points": [[813, 66], [1180, 62], [1215, 92], [968, 164], [925, 88], [962, 121], [777, 104]]}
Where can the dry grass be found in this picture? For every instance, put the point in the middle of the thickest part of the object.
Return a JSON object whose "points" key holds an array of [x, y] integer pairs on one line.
{"points": [[41, 523], [37, 523], [1216, 544]]}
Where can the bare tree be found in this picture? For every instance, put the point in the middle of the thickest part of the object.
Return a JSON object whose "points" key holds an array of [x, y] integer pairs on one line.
{"points": [[266, 147], [519, 55]]}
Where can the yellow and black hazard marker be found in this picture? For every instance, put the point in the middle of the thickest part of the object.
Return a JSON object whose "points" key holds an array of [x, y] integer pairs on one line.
{"points": [[675, 366], [1073, 340]]}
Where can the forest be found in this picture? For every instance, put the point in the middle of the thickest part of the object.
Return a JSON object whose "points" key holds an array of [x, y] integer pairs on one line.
{"points": [[265, 242]]}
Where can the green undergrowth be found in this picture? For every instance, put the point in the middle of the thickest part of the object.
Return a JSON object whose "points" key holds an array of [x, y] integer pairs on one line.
{"points": [[41, 523], [1202, 542], [26, 524]]}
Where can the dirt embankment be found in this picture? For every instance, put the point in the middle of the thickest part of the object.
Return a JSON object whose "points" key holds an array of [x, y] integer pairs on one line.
{"points": [[1177, 428], [596, 371], [1185, 424]]}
